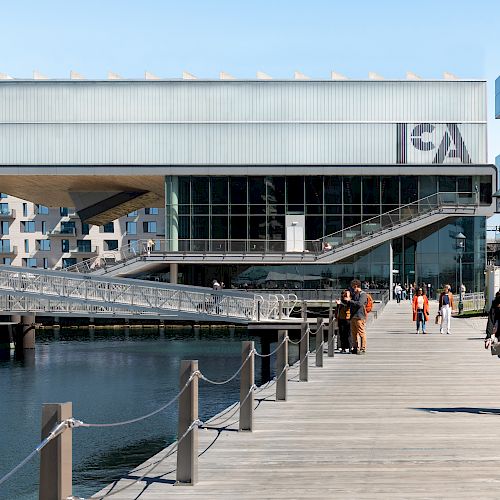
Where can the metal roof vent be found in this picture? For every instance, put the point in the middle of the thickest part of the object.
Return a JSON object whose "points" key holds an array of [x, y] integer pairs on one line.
{"points": [[38, 76], [76, 76], [412, 76], [338, 76]]}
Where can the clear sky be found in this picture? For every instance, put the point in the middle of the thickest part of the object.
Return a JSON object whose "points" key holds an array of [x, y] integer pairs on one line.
{"points": [[241, 37]]}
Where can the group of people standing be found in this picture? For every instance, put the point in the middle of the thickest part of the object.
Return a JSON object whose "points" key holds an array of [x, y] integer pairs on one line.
{"points": [[351, 316], [421, 313]]}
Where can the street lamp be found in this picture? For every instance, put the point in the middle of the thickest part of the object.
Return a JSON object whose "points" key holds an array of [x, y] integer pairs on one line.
{"points": [[460, 239]]}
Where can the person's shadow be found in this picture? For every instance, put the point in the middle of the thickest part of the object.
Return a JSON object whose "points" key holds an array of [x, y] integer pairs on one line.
{"points": [[462, 409]]}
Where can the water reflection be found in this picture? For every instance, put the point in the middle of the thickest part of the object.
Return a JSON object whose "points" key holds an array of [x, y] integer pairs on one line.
{"points": [[112, 375]]}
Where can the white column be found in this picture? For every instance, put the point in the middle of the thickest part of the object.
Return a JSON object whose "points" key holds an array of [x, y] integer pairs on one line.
{"points": [[172, 212]]}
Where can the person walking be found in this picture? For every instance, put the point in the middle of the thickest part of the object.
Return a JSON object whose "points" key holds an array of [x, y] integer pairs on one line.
{"points": [[357, 306], [343, 315], [397, 292], [492, 326], [420, 306], [445, 308]]}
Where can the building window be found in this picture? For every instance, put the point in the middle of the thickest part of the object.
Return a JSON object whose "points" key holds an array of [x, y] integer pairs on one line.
{"points": [[133, 245], [25, 210], [29, 262], [69, 261], [63, 211], [27, 226], [111, 245], [4, 246], [27, 246], [4, 209], [132, 214], [83, 245], [68, 227], [109, 227], [65, 246], [4, 227], [44, 227], [43, 245], [45, 263], [131, 227], [7, 261], [149, 227], [85, 228], [3, 195], [151, 211], [42, 210]]}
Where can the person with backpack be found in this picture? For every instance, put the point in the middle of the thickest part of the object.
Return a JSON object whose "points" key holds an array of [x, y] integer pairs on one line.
{"points": [[420, 308], [360, 304], [343, 315]]}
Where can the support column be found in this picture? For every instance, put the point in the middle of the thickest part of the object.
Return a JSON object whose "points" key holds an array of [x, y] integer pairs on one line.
{"points": [[174, 273], [24, 336], [4, 341], [172, 212], [391, 266]]}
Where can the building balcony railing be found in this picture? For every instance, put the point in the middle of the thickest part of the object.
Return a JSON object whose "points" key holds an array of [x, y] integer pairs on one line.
{"points": [[64, 232], [8, 251], [86, 250], [7, 214]]}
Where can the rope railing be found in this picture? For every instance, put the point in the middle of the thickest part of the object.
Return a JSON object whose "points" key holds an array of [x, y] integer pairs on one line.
{"points": [[190, 376]]}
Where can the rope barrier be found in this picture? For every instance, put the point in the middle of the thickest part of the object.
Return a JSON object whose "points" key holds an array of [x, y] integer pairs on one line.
{"points": [[56, 430], [214, 382], [196, 423], [274, 352], [143, 417]]}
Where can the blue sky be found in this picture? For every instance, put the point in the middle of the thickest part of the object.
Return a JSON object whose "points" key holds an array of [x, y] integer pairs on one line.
{"points": [[275, 36]]}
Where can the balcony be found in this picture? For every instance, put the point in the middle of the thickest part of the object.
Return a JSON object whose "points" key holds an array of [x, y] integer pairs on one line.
{"points": [[85, 250], [64, 232], [8, 251], [7, 214]]}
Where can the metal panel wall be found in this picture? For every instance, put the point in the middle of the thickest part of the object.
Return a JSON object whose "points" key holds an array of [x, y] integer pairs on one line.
{"points": [[234, 122]]}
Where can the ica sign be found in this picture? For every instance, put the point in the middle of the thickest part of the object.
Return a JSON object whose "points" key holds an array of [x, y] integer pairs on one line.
{"points": [[431, 143]]}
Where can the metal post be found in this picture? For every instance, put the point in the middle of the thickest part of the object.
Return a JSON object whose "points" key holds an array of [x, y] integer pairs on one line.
{"points": [[319, 342], [258, 310], [331, 336], [304, 310], [280, 309], [460, 301], [57, 456], [303, 351], [246, 383], [187, 450], [281, 369]]}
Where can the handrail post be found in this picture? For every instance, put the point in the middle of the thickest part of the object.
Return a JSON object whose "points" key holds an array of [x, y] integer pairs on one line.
{"points": [[280, 309], [57, 456], [331, 326], [281, 366], [319, 342], [187, 449], [246, 385], [304, 310], [303, 351]]}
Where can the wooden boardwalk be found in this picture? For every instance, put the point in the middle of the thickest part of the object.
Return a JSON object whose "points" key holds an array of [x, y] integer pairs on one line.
{"points": [[417, 417]]}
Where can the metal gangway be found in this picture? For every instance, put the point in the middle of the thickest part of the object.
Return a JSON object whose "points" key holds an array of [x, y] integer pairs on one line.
{"points": [[58, 293]]}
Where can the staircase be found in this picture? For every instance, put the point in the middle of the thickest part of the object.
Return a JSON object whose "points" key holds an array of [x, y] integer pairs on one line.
{"points": [[146, 255]]}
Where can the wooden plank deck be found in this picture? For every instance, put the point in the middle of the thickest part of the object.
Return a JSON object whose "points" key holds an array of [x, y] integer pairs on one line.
{"points": [[417, 417]]}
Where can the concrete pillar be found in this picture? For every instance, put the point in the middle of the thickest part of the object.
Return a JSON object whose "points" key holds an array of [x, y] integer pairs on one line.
{"points": [[174, 273], [391, 266], [28, 323], [4, 342], [172, 212]]}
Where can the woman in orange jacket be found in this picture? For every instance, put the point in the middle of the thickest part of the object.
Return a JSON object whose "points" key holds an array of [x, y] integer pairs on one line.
{"points": [[420, 305]]}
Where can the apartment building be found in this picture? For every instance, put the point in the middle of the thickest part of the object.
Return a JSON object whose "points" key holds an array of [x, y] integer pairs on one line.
{"points": [[34, 235]]}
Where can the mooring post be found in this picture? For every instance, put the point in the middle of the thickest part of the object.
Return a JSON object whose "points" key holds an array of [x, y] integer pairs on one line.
{"points": [[281, 366], [303, 352], [319, 342], [187, 449], [246, 385], [331, 334], [56, 481]]}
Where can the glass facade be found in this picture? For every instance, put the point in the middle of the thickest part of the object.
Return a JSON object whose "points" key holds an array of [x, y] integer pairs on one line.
{"points": [[219, 209]]}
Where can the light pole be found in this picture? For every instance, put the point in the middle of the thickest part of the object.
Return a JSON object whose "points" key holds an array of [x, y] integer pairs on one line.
{"points": [[460, 239]]}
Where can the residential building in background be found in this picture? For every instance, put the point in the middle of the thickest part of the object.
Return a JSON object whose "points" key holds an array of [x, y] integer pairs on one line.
{"points": [[34, 235]]}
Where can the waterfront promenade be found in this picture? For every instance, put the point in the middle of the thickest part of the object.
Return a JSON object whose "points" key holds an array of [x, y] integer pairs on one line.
{"points": [[417, 417]]}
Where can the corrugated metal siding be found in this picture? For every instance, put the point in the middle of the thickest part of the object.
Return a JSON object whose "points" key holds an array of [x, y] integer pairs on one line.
{"points": [[170, 123]]}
